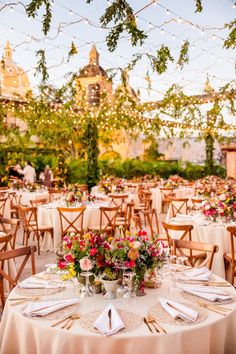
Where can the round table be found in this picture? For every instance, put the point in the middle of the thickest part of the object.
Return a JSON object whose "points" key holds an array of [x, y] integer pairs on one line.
{"points": [[23, 335], [49, 215]]}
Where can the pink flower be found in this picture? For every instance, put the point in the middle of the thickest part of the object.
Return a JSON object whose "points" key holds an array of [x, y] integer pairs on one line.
{"points": [[222, 197], [136, 244], [93, 251], [68, 257], [85, 264], [62, 264]]}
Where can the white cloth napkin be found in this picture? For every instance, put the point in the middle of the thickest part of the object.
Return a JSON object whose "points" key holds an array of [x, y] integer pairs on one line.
{"points": [[102, 322], [34, 284], [207, 292], [201, 274], [177, 310], [40, 309]]}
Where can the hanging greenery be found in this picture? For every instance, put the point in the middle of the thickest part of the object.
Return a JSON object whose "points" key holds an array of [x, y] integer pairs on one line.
{"points": [[230, 42], [32, 11], [41, 67], [73, 51], [160, 62], [198, 5], [183, 57]]}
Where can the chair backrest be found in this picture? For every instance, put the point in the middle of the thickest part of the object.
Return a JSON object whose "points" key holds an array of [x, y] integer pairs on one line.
{"points": [[12, 226], [27, 252], [179, 206], [71, 220], [167, 193], [128, 214], [179, 232], [232, 232], [29, 218], [2, 205], [54, 194], [181, 247], [37, 202], [119, 200], [196, 203], [108, 218], [153, 222], [4, 241]]}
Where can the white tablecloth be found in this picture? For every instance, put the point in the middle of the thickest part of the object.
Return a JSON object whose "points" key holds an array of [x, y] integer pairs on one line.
{"points": [[214, 233], [49, 215], [27, 196], [181, 192], [22, 335]]}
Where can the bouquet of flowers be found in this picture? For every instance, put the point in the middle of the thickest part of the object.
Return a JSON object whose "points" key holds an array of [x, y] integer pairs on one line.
{"points": [[210, 208], [17, 184], [119, 188], [105, 187], [31, 187], [104, 257]]}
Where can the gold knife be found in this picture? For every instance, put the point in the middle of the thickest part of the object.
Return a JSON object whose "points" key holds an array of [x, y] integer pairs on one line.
{"points": [[147, 324]]}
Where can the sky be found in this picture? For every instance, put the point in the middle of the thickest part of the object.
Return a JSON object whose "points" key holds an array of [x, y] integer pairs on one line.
{"points": [[167, 22]]}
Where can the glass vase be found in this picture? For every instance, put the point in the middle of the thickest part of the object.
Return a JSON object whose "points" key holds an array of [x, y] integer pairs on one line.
{"points": [[86, 290]]}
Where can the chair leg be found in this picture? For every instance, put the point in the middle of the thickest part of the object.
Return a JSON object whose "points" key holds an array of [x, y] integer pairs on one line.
{"points": [[2, 293]]}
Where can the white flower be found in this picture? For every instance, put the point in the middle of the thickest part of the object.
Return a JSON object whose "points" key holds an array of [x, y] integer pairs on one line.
{"points": [[222, 197], [136, 245]]}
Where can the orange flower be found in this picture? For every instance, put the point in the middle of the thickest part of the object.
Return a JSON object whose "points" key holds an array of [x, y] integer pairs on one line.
{"points": [[133, 254]]}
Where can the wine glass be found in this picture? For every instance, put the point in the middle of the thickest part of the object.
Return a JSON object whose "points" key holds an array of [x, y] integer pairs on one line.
{"points": [[129, 294], [121, 290]]}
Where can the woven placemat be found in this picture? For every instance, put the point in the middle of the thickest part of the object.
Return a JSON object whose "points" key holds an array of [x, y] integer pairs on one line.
{"points": [[195, 298], [131, 321], [162, 315], [38, 292]]}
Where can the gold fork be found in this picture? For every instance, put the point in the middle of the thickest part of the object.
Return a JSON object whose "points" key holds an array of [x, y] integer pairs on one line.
{"points": [[156, 325], [215, 308]]}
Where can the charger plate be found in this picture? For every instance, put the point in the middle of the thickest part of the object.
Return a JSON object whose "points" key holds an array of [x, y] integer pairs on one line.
{"points": [[131, 321], [195, 298]]}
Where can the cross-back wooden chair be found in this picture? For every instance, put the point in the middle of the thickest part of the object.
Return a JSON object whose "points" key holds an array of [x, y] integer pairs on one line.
{"points": [[30, 224], [230, 257], [119, 200], [143, 208], [72, 220], [125, 221], [37, 202], [15, 200], [54, 194], [5, 241], [186, 248], [179, 231], [196, 203], [2, 205], [166, 195], [179, 206], [152, 221], [12, 226], [107, 220], [26, 252]]}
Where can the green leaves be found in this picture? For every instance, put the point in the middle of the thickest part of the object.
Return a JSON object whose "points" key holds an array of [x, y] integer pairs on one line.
{"points": [[183, 57], [198, 5], [41, 65], [32, 9], [230, 41], [73, 51], [160, 62]]}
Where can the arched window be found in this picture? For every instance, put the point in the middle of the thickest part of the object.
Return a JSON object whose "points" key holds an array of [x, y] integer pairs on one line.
{"points": [[94, 94]]}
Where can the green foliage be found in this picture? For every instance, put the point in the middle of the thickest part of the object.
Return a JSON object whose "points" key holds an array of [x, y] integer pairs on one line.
{"points": [[183, 57], [32, 9], [230, 41], [41, 65], [73, 51], [160, 62], [77, 171], [198, 5]]}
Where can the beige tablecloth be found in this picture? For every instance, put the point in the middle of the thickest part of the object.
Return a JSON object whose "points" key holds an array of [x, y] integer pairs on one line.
{"points": [[27, 196], [22, 335], [49, 215], [214, 233]]}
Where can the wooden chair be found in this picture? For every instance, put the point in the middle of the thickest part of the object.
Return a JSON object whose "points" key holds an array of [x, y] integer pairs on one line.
{"points": [[166, 195], [27, 252], [2, 205], [125, 221], [179, 206], [30, 225], [15, 200], [107, 221], [54, 194], [182, 231], [143, 208], [186, 248], [119, 200], [152, 220], [196, 203], [5, 241], [71, 220], [230, 257], [12, 226], [37, 202]]}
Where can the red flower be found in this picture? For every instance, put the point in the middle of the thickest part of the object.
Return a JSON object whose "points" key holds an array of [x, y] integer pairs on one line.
{"points": [[68, 257], [62, 264], [93, 251], [142, 233]]}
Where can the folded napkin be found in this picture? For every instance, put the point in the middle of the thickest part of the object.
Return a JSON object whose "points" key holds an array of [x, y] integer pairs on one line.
{"points": [[40, 309], [177, 310], [102, 322], [208, 293], [198, 274], [34, 284]]}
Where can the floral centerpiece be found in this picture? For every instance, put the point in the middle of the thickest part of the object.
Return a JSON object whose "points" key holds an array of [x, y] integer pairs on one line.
{"points": [[210, 208], [105, 187], [31, 187], [91, 198], [136, 252], [74, 194], [17, 184], [119, 188]]}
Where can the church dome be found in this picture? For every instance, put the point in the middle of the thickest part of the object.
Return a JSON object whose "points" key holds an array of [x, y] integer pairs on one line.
{"points": [[93, 69], [14, 81]]}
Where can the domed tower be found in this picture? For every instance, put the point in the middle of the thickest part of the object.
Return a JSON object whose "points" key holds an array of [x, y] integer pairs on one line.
{"points": [[14, 82], [93, 81]]}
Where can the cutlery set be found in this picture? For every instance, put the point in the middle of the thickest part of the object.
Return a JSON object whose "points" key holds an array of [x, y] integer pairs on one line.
{"points": [[69, 321], [22, 300], [215, 308], [152, 325]]}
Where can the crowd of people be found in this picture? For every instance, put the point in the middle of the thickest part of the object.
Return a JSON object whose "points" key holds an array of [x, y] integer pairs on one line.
{"points": [[28, 174]]}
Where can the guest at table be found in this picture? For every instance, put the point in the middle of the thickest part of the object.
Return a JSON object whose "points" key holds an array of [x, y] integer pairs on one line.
{"points": [[13, 172], [47, 177], [28, 172]]}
